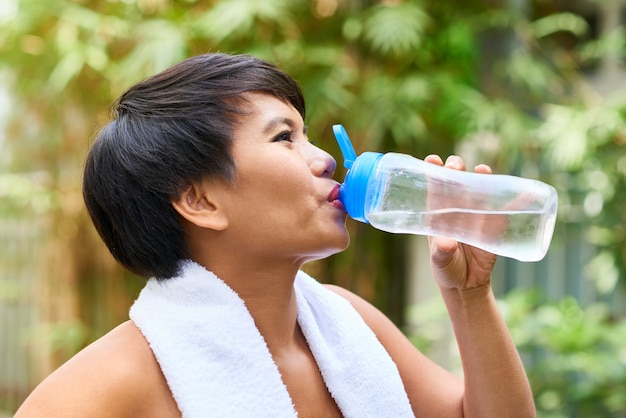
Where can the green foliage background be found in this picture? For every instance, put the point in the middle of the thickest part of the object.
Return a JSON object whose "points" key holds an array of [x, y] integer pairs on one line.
{"points": [[577, 355], [502, 81]]}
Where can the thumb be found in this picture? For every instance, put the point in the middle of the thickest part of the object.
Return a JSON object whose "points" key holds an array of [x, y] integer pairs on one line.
{"points": [[442, 250], [445, 262]]}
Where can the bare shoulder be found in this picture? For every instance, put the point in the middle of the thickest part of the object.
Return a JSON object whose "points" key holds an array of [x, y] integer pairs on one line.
{"points": [[370, 314], [117, 375]]}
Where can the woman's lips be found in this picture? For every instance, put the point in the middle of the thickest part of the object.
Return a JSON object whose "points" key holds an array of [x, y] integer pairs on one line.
{"points": [[333, 198]]}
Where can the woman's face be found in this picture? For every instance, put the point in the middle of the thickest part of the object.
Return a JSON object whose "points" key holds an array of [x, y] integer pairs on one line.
{"points": [[284, 201]]}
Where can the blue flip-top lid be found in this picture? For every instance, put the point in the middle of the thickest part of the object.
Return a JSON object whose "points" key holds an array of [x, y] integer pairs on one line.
{"points": [[353, 191]]}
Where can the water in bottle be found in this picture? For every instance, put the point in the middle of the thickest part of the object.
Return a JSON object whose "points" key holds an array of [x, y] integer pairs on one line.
{"points": [[506, 215]]}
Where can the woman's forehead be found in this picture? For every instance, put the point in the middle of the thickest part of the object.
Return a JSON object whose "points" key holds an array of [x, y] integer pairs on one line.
{"points": [[271, 111]]}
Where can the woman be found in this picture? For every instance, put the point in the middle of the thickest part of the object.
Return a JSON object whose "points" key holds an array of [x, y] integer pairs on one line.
{"points": [[205, 182]]}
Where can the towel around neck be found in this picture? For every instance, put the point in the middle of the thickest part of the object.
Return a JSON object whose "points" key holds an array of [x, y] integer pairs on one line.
{"points": [[217, 363]]}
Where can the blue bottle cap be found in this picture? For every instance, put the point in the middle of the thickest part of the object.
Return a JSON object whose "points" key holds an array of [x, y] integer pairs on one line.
{"points": [[352, 192]]}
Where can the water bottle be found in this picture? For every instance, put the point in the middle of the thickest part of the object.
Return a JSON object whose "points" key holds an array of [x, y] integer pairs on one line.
{"points": [[505, 215]]}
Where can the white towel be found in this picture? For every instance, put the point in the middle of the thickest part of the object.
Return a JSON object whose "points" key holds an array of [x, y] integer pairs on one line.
{"points": [[217, 363]]}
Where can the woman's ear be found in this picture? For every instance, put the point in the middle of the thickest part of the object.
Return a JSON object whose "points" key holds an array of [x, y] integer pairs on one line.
{"points": [[199, 204]]}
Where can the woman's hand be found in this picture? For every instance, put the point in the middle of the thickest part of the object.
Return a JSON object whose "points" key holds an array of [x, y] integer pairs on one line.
{"points": [[457, 265]]}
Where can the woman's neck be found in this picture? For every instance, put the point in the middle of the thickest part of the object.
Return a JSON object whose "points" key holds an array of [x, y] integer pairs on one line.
{"points": [[268, 293]]}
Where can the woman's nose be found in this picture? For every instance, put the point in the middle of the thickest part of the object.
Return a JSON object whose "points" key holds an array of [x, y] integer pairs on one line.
{"points": [[321, 163]]}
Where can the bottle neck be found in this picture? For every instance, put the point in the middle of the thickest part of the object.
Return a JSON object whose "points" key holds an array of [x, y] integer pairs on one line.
{"points": [[354, 190]]}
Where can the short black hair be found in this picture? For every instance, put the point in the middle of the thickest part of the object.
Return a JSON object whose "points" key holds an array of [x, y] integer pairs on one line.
{"points": [[167, 132]]}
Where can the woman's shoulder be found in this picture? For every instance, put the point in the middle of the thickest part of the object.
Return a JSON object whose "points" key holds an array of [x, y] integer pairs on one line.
{"points": [[117, 375], [372, 316]]}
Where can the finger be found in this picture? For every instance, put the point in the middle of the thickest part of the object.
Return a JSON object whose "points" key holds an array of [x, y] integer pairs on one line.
{"points": [[442, 258], [434, 159], [443, 246], [483, 169], [455, 162]]}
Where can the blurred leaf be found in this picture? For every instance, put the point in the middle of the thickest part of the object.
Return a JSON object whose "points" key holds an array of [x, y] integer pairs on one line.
{"points": [[603, 272], [395, 28], [529, 73], [67, 68], [612, 45], [572, 133], [565, 135], [229, 17], [159, 44], [560, 22]]}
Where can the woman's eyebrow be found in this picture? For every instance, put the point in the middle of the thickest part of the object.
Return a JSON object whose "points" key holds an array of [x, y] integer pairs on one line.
{"points": [[276, 121]]}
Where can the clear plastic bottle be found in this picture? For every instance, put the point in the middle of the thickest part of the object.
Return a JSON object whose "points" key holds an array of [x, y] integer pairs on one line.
{"points": [[505, 215]]}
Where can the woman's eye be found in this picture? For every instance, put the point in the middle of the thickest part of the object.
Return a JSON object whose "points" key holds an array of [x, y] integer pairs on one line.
{"points": [[285, 136]]}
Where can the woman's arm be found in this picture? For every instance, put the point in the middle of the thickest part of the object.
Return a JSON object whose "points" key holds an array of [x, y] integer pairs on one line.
{"points": [[496, 384], [495, 380]]}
